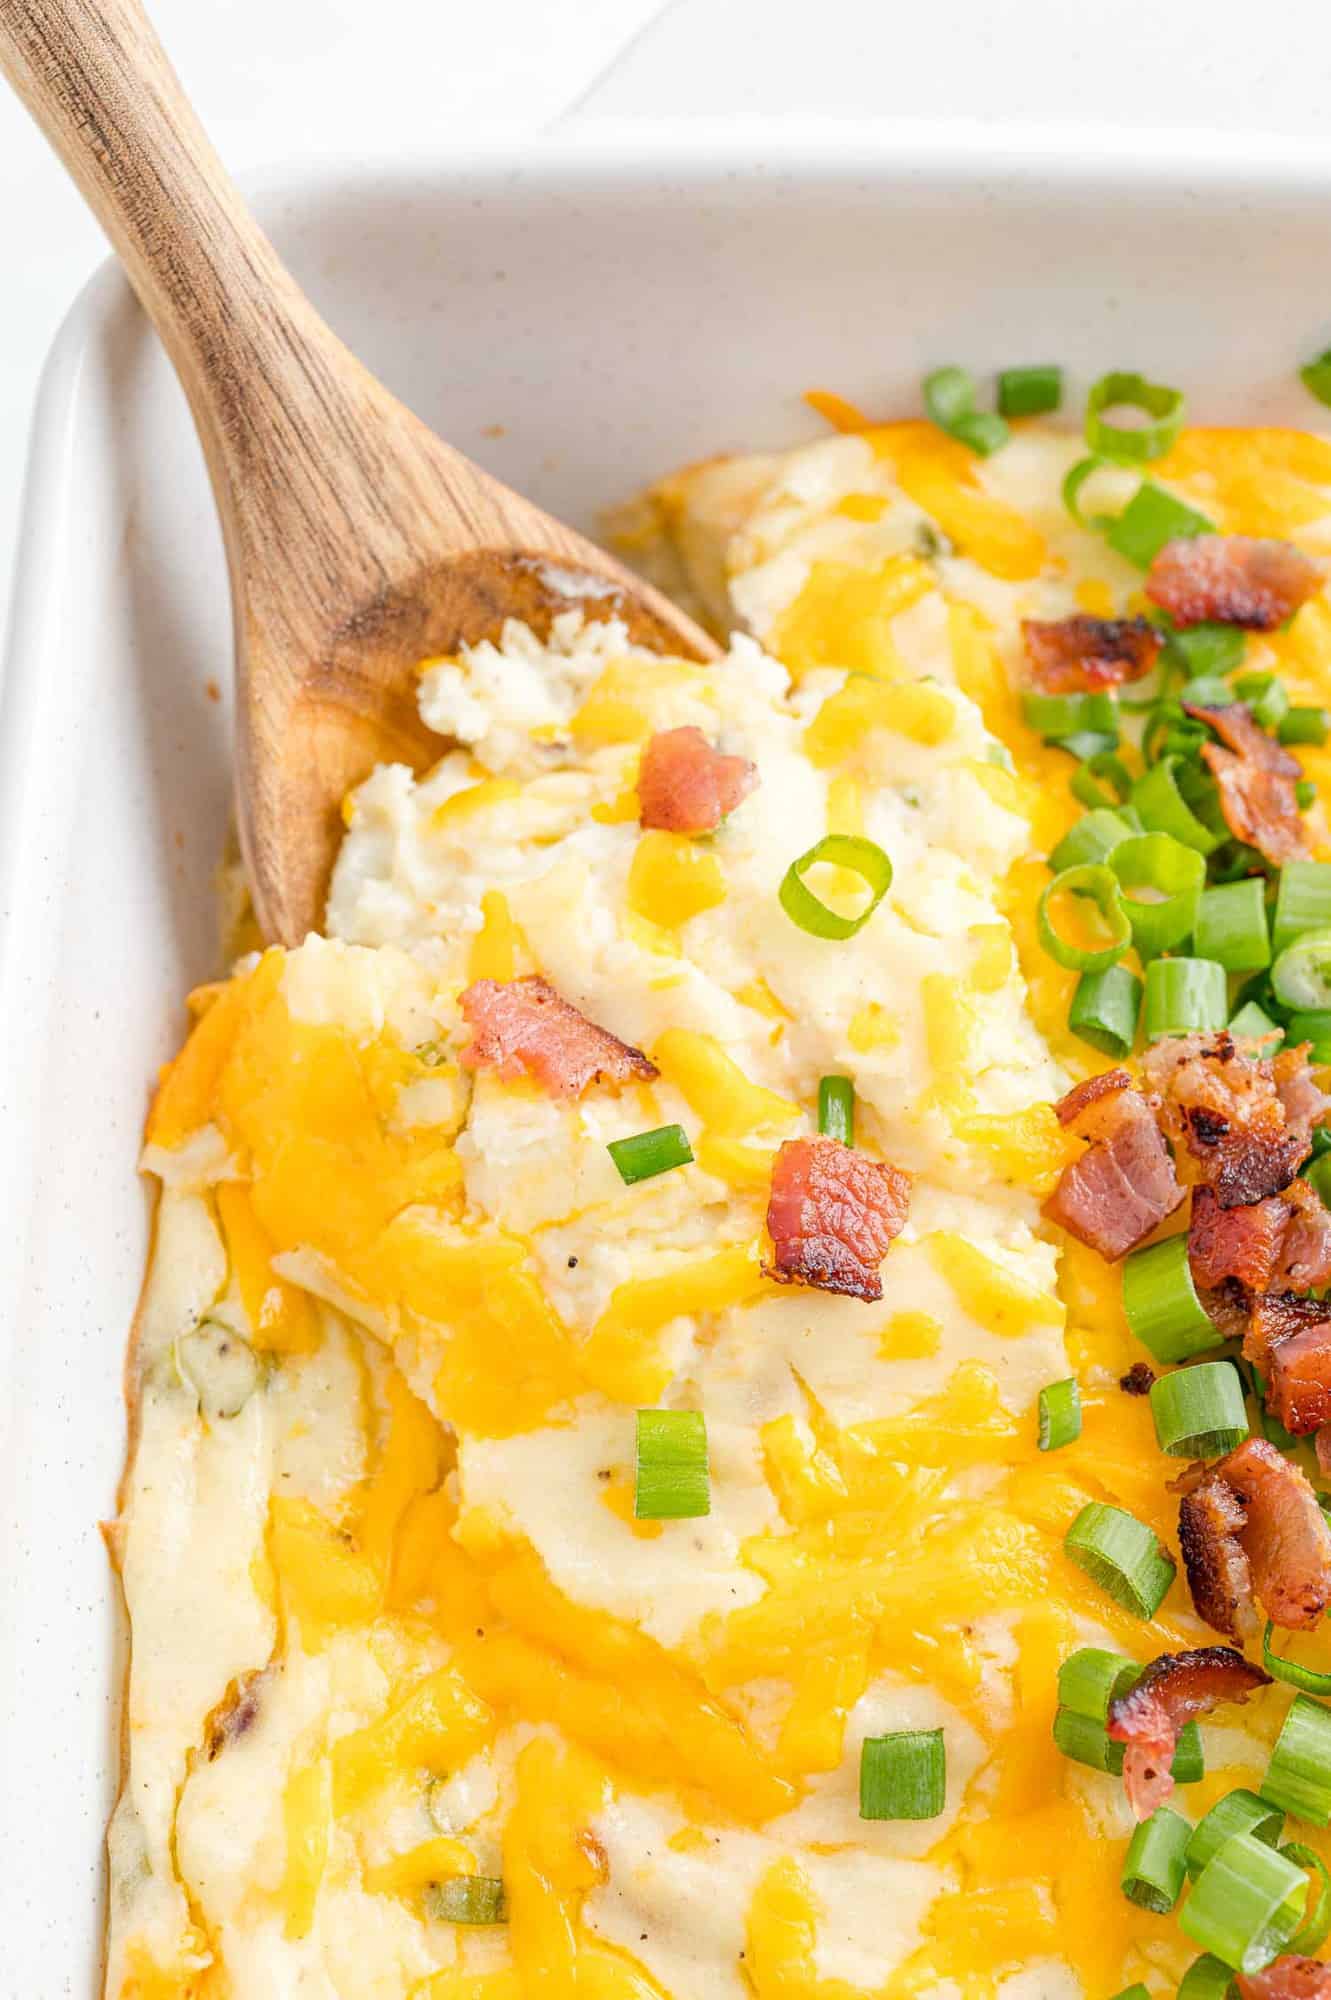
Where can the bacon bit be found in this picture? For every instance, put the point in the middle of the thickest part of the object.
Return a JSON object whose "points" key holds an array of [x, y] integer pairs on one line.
{"points": [[1080, 654], [1174, 1689], [1275, 1317], [831, 1216], [685, 786], [523, 1028], [1289, 1977], [1299, 1388], [1282, 1243], [1228, 1113], [1124, 1184], [1253, 1528], [1138, 1380], [1232, 580], [1305, 1249], [1256, 780]]}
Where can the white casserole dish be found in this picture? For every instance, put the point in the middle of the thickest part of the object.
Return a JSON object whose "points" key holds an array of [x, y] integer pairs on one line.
{"points": [[617, 304]]}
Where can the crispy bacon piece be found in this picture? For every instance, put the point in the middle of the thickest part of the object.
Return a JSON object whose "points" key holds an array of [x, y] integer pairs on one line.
{"points": [[1288, 1977], [685, 786], [1272, 1318], [1124, 1184], [1255, 778], [1241, 1123], [1282, 1243], [1252, 1527], [1232, 580], [521, 1027], [1299, 1387], [1078, 655], [831, 1216], [1174, 1689]]}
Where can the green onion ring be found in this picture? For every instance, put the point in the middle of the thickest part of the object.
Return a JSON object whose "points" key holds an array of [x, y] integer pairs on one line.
{"points": [[842, 850], [1158, 861], [1290, 1671], [1301, 976], [1072, 485], [1107, 764], [1317, 1923], [1140, 443], [1093, 879]]}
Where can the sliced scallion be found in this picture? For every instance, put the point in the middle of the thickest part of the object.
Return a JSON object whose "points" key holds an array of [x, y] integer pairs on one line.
{"points": [[1139, 443], [1254, 1021], [1152, 519], [1238, 1811], [1318, 1177], [1206, 1978], [1137, 1992], [1090, 1678], [1199, 1411], [1063, 715], [646, 1154], [904, 1775], [1246, 1904], [1105, 1008], [949, 402], [1315, 1027], [1095, 835], [1086, 787], [1122, 1555], [1305, 725], [1231, 925], [1094, 882], [839, 850], [836, 1109], [1316, 376], [1303, 901], [1083, 1740], [1161, 1302], [1305, 794], [467, 1899], [1184, 996], [1163, 809], [1059, 1414], [1290, 1671], [672, 1481], [1204, 649], [1031, 391], [1161, 883], [1267, 697], [1298, 1776], [1155, 1868], [1301, 975], [1312, 1932]]}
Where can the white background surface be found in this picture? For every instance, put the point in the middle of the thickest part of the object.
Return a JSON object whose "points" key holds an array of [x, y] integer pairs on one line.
{"points": [[286, 80]]}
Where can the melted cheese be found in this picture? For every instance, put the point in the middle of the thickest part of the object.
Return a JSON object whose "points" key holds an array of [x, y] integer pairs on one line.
{"points": [[394, 1619]]}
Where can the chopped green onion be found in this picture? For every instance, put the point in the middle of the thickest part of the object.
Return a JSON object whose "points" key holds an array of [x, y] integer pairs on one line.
{"points": [[1184, 996], [1298, 1776], [1237, 1812], [1161, 1302], [467, 1899], [646, 1154], [1208, 691], [672, 1479], [1084, 744], [1231, 926], [1083, 1740], [1104, 1009], [1139, 443], [1267, 697], [1303, 901], [1206, 1978], [1316, 375], [840, 850], [1155, 1868], [1060, 1414], [1094, 835], [1063, 715], [1074, 480], [1171, 733], [903, 1776], [1089, 1679], [1305, 725], [1246, 1904], [1312, 1933], [836, 1109], [1290, 1671], [1301, 976], [1095, 881], [1305, 794], [1031, 391], [1167, 878], [1199, 1411], [1163, 809], [1122, 1555], [1152, 519], [1318, 1177], [1137, 1992], [1314, 1027], [949, 402], [1204, 649], [1254, 1021], [1084, 786]]}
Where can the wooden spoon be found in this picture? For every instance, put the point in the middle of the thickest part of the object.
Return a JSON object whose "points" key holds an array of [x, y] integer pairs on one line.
{"points": [[358, 543]]}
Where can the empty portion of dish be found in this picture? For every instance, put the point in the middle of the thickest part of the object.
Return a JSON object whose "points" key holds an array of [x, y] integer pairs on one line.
{"points": [[590, 1525]]}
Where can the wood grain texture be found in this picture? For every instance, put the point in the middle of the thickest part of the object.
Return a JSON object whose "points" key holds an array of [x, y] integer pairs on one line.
{"points": [[358, 542]]}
